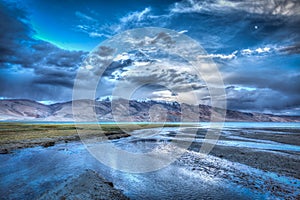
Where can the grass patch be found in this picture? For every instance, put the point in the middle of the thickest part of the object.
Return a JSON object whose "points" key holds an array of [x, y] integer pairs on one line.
{"points": [[12, 132]]}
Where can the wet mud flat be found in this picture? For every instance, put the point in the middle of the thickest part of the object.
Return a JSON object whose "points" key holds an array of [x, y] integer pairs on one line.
{"points": [[88, 185], [275, 150], [245, 163], [264, 160]]}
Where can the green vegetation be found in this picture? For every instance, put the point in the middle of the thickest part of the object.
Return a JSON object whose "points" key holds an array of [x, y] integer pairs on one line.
{"points": [[12, 132]]}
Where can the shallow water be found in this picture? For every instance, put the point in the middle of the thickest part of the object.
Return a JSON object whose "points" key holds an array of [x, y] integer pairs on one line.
{"points": [[28, 173]]}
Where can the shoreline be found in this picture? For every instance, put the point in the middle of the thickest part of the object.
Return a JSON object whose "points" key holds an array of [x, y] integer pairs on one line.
{"points": [[279, 161], [15, 136], [268, 169], [6, 148]]}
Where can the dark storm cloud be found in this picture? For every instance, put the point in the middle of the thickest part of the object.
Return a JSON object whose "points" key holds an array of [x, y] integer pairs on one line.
{"points": [[54, 56], [52, 81], [20, 85], [261, 100], [287, 83], [54, 76], [43, 64], [13, 31], [258, 88], [18, 47], [295, 49]]}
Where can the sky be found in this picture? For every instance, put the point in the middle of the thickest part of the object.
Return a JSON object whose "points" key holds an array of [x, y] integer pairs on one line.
{"points": [[255, 45]]}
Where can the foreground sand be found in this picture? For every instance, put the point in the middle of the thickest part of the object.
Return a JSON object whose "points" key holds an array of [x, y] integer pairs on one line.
{"points": [[88, 185]]}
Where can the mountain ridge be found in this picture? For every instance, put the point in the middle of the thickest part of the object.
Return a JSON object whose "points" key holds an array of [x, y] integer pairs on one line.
{"points": [[139, 111]]}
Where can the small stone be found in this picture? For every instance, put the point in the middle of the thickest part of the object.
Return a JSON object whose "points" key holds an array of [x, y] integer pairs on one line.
{"points": [[110, 183], [4, 151], [48, 144]]}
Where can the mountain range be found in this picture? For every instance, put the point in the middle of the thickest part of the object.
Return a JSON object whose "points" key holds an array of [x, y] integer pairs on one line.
{"points": [[139, 111]]}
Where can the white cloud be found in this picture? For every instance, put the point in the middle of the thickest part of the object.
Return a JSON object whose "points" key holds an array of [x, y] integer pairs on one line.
{"points": [[137, 19], [89, 25], [259, 51], [270, 7], [139, 64], [123, 56], [95, 35], [136, 16], [94, 28], [183, 31], [238, 88], [89, 67], [246, 52], [84, 16], [220, 56], [263, 50], [193, 6], [163, 95]]}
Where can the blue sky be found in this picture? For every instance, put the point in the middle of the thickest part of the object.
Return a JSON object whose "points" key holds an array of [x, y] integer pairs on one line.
{"points": [[256, 45]]}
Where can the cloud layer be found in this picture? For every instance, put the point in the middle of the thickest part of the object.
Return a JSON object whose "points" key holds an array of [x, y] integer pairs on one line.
{"points": [[266, 7], [46, 68], [254, 43]]}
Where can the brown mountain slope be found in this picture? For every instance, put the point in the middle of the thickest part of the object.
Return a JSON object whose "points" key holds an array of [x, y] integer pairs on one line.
{"points": [[19, 109]]}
